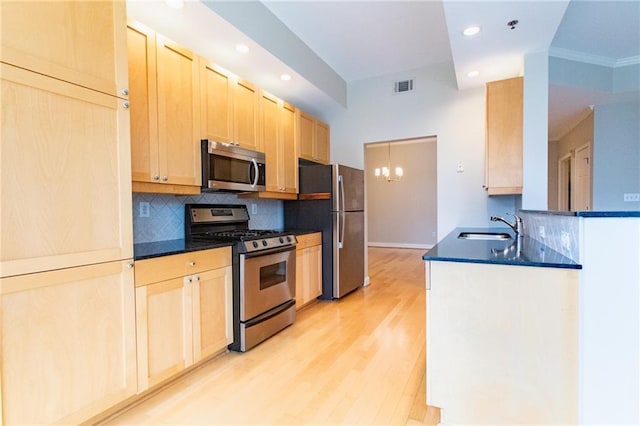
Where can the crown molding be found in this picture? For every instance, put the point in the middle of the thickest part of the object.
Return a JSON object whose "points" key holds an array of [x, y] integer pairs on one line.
{"points": [[604, 61]]}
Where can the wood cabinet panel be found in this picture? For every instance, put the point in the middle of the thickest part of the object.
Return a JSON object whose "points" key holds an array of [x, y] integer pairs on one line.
{"points": [[504, 136], [183, 311], [62, 147], [141, 47], [212, 312], [216, 103], [323, 142], [68, 343], [246, 107], [312, 137], [179, 265], [178, 114], [308, 268], [165, 111], [163, 319], [277, 124], [83, 43]]}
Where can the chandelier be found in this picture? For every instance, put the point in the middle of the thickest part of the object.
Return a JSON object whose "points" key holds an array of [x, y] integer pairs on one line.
{"points": [[384, 172]]}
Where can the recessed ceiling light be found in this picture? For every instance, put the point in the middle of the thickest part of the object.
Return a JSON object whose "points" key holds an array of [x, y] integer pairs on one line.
{"points": [[242, 48], [472, 30], [285, 77], [473, 74], [175, 4]]}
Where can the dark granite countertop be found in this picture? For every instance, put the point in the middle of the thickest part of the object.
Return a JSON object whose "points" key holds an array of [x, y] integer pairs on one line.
{"points": [[621, 213], [165, 248], [504, 252]]}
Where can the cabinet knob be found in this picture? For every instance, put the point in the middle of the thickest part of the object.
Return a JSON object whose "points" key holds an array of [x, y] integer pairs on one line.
{"points": [[156, 177], [192, 263], [125, 105], [125, 91], [164, 178], [196, 278], [129, 265], [189, 279]]}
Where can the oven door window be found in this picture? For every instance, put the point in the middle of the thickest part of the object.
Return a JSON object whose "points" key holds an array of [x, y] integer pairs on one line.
{"points": [[273, 274]]}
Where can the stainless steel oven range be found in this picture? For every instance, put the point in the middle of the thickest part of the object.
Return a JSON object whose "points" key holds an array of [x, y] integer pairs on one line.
{"points": [[264, 270]]}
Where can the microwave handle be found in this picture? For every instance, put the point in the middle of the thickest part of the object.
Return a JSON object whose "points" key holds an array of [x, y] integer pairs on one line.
{"points": [[257, 172]]}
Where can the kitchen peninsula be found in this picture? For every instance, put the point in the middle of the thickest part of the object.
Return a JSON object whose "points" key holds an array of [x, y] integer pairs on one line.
{"points": [[502, 329]]}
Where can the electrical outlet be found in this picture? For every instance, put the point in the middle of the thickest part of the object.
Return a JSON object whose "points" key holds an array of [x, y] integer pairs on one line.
{"points": [[460, 168], [144, 209], [630, 197], [541, 232], [254, 208]]}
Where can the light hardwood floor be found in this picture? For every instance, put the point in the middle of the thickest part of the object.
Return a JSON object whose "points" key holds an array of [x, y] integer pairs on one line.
{"points": [[359, 360]]}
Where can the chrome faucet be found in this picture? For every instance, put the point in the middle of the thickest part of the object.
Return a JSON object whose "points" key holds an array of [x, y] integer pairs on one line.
{"points": [[516, 226]]}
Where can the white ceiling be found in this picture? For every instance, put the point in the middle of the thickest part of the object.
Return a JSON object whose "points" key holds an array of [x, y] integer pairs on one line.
{"points": [[325, 45]]}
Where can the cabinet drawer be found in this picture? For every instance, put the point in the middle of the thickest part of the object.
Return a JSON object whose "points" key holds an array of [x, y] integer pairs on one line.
{"points": [[149, 271], [308, 240]]}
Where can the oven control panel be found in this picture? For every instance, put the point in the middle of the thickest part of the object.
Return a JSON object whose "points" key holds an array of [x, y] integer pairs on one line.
{"points": [[269, 243]]}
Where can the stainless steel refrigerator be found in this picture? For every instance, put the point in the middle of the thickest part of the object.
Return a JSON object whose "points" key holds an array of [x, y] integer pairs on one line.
{"points": [[331, 199]]}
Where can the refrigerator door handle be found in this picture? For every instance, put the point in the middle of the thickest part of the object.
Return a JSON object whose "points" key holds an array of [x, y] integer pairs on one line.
{"points": [[341, 182], [341, 227]]}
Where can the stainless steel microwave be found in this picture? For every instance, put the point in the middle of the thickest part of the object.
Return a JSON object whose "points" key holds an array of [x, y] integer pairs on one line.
{"points": [[228, 167]]}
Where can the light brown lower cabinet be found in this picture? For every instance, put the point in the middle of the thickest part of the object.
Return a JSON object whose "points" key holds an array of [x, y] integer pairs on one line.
{"points": [[181, 319], [68, 343], [308, 268]]}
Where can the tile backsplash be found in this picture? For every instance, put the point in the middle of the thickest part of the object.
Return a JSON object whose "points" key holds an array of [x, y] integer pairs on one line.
{"points": [[166, 214], [560, 232]]}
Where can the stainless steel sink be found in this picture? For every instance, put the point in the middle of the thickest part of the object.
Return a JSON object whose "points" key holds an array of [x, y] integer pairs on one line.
{"points": [[490, 236]]}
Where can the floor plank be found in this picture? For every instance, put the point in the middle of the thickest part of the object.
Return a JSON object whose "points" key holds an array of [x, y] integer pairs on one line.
{"points": [[358, 360]]}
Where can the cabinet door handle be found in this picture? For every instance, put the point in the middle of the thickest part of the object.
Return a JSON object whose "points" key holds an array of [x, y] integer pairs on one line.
{"points": [[196, 278], [156, 177], [164, 178], [129, 265], [125, 105], [192, 263], [125, 91], [189, 280]]}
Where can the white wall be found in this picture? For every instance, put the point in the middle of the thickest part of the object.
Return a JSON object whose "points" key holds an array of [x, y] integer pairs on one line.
{"points": [[616, 155], [610, 321], [534, 131], [434, 108]]}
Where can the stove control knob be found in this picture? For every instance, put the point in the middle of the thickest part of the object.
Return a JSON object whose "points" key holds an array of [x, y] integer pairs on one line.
{"points": [[264, 243], [281, 240], [288, 239], [255, 244]]}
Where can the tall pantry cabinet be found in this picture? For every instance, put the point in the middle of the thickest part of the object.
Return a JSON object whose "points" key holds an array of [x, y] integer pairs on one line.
{"points": [[66, 278]]}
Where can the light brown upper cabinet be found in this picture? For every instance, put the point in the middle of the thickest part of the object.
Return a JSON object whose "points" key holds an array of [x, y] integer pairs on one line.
{"points": [[229, 107], [165, 114], [278, 138], [84, 42], [313, 138], [504, 137]]}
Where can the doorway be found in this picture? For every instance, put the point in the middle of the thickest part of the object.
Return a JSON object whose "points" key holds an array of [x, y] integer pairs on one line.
{"points": [[582, 181], [564, 183], [574, 180], [401, 211]]}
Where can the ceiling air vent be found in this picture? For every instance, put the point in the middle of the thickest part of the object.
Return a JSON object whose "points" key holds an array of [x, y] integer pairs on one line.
{"points": [[403, 86]]}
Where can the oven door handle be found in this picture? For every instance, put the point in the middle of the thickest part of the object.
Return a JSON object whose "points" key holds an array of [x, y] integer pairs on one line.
{"points": [[269, 251], [257, 172]]}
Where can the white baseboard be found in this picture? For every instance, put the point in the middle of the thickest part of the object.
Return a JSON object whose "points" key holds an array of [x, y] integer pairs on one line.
{"points": [[400, 245]]}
